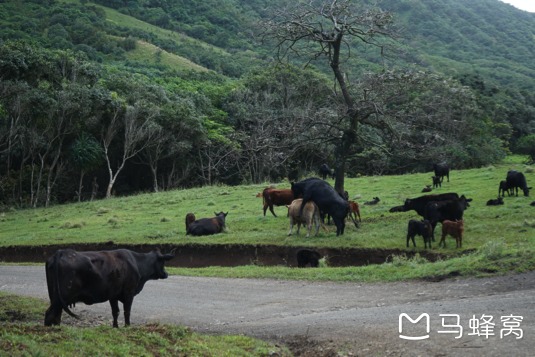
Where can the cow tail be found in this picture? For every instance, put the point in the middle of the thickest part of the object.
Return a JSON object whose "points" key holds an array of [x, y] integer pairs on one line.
{"points": [[64, 305]]}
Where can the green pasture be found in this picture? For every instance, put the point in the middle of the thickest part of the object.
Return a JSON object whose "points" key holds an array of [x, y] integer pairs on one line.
{"points": [[158, 218]]}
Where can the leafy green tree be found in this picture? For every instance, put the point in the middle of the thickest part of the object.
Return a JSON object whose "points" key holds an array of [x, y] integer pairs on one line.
{"points": [[526, 146], [85, 154]]}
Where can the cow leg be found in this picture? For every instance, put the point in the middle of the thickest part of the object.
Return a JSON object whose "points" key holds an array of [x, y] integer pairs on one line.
{"points": [[291, 226], [115, 311], [442, 242], [271, 209], [53, 315], [127, 306], [309, 227], [433, 226], [265, 208]]}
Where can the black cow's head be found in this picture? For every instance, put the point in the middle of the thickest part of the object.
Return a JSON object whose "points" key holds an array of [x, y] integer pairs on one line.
{"points": [[159, 261]]}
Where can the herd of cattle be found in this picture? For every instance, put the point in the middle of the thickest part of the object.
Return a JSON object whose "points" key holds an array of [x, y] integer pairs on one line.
{"points": [[311, 200], [119, 275]]}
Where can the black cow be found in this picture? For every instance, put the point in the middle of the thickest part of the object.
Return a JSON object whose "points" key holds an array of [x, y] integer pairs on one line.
{"points": [[418, 204], [496, 202], [374, 201], [326, 171], [442, 170], [308, 257], [208, 226], [436, 181], [532, 203], [502, 188], [326, 198], [516, 180], [94, 277], [422, 228], [439, 211]]}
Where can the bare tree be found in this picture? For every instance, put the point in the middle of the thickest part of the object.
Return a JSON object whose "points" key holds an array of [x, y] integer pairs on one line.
{"points": [[326, 28], [135, 124]]}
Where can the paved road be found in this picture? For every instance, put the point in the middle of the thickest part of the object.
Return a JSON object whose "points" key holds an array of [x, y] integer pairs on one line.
{"points": [[362, 318]]}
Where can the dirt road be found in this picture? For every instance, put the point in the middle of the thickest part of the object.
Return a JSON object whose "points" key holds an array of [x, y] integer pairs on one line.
{"points": [[467, 317]]}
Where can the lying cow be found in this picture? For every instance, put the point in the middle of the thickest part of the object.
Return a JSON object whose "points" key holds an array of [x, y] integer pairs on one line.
{"points": [[308, 257], [276, 197], [94, 277], [310, 214], [208, 226], [421, 228], [190, 218], [454, 229], [375, 201], [495, 202]]}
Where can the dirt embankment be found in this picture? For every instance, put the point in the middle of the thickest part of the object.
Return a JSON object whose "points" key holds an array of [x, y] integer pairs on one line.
{"points": [[196, 255]]}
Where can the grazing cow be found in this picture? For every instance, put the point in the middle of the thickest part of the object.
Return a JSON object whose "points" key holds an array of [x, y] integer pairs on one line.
{"points": [[375, 201], [418, 204], [504, 188], [532, 203], [310, 214], [454, 229], [496, 202], [397, 209], [308, 257], [421, 228], [325, 171], [94, 277], [442, 170], [328, 200], [190, 218], [427, 188], [354, 210], [276, 197], [436, 181], [516, 180], [440, 211], [208, 226]]}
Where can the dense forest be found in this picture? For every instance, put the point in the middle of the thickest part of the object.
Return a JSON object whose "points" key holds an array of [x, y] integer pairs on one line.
{"points": [[115, 97]]}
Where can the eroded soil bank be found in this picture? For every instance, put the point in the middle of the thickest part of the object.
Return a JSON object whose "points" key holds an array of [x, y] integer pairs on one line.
{"points": [[197, 255]]}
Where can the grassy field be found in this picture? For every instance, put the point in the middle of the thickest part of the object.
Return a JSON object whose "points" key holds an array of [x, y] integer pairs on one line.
{"points": [[158, 218], [23, 335]]}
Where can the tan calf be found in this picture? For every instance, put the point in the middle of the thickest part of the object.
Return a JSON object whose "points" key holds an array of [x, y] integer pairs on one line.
{"points": [[454, 229], [311, 214]]}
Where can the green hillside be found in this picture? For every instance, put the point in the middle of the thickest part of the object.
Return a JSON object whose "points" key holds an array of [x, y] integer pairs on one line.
{"points": [[211, 105]]}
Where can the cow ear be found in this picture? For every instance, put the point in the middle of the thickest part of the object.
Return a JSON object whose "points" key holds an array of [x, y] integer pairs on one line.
{"points": [[226, 214]]}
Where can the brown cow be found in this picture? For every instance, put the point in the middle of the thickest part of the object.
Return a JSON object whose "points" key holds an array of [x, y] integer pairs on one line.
{"points": [[311, 213], [190, 218], [455, 229], [277, 197], [354, 210], [208, 226]]}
